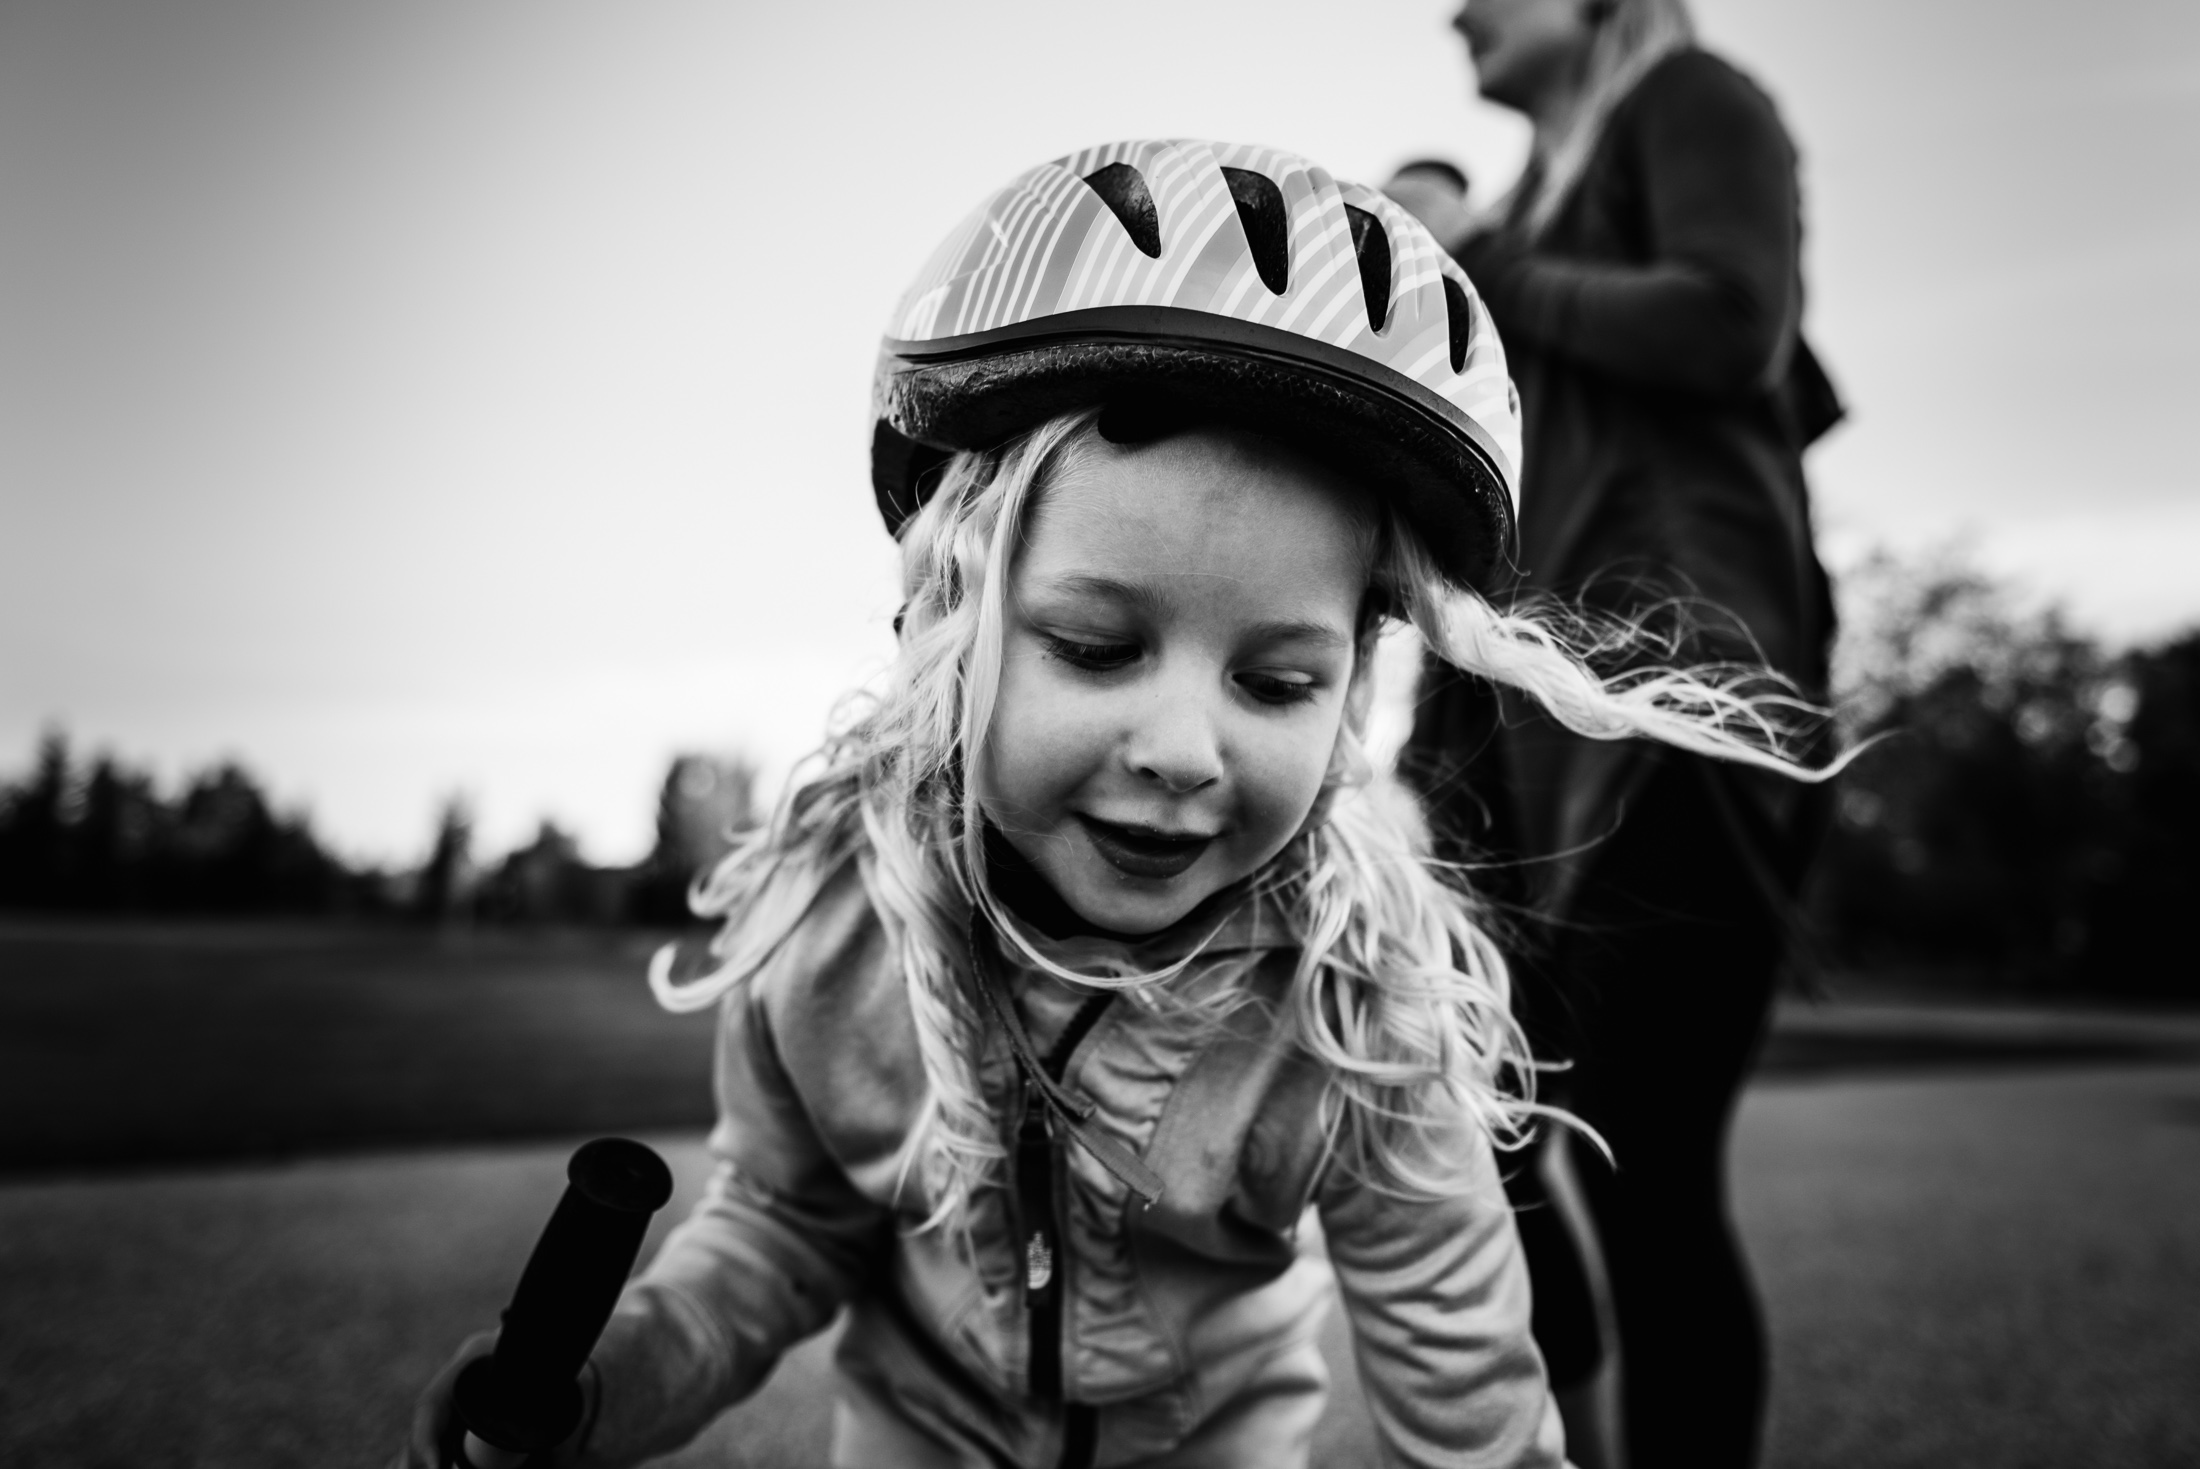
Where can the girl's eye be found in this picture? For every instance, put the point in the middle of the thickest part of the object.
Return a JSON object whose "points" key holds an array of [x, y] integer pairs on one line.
{"points": [[1100, 657], [1275, 688]]}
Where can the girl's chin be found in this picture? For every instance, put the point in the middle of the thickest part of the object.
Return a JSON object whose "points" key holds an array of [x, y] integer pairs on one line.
{"points": [[1109, 903]]}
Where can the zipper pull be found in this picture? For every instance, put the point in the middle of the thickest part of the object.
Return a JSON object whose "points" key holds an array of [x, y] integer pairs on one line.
{"points": [[1035, 1183]]}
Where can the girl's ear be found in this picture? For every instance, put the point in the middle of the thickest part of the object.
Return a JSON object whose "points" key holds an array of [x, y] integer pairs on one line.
{"points": [[1348, 762], [1349, 767], [1359, 694]]}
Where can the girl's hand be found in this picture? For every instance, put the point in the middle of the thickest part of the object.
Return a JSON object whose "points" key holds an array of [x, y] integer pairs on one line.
{"points": [[432, 1425]]}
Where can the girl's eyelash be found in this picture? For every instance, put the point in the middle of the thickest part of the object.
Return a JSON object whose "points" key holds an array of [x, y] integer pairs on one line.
{"points": [[1108, 657], [1097, 656], [1272, 690]]}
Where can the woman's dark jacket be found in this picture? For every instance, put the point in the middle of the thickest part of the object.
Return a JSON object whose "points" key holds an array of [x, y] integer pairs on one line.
{"points": [[1652, 331]]}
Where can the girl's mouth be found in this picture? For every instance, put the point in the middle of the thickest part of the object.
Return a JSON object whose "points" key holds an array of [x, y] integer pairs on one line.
{"points": [[1144, 851]]}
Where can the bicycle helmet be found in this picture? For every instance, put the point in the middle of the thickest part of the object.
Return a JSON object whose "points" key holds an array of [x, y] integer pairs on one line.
{"points": [[1240, 283]]}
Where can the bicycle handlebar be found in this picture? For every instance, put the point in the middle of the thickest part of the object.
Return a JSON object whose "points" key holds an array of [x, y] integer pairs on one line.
{"points": [[525, 1398]]}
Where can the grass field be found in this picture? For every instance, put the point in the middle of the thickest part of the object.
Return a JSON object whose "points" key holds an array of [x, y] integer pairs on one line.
{"points": [[164, 1043], [1978, 1234], [160, 1044]]}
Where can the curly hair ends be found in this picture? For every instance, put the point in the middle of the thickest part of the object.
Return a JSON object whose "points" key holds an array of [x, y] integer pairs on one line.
{"points": [[1398, 989]]}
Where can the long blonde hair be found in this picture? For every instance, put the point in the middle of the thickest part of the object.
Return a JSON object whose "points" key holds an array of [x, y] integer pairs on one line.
{"points": [[1632, 37], [1398, 990]]}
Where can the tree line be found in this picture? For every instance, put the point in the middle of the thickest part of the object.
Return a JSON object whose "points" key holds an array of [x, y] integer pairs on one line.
{"points": [[2031, 809], [97, 836], [2028, 812]]}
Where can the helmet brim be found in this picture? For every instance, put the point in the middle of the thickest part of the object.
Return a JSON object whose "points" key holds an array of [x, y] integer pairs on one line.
{"points": [[1379, 428]]}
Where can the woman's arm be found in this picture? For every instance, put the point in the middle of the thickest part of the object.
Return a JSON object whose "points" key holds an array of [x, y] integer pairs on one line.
{"points": [[1714, 310], [779, 1241], [1437, 1292]]}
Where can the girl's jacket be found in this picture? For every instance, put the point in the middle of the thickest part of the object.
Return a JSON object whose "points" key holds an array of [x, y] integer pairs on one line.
{"points": [[1173, 1334]]}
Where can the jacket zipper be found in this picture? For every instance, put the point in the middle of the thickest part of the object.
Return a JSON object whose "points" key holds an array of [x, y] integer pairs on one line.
{"points": [[1039, 1183], [1035, 1155]]}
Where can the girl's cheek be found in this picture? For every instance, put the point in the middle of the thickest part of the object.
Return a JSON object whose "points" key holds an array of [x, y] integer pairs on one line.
{"points": [[1283, 776], [1051, 733], [1017, 755]]}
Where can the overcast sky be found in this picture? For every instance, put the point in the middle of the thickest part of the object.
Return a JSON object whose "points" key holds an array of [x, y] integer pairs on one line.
{"points": [[429, 396]]}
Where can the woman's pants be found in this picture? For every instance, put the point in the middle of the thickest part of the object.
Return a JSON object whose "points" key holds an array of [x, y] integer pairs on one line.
{"points": [[1657, 988]]}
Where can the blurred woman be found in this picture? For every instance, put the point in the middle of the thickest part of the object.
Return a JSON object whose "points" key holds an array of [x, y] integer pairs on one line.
{"points": [[1645, 277]]}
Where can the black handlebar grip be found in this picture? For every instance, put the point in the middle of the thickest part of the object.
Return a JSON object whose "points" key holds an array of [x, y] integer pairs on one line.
{"points": [[526, 1397]]}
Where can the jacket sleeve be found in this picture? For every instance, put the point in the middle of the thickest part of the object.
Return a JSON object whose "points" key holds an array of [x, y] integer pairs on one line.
{"points": [[780, 1239], [1437, 1294], [1713, 310]]}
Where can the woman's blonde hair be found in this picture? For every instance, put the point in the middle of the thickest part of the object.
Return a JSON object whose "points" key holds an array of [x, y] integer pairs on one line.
{"points": [[1398, 990], [1631, 37]]}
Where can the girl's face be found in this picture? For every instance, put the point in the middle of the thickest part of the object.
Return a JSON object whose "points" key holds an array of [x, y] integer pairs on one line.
{"points": [[1180, 657]]}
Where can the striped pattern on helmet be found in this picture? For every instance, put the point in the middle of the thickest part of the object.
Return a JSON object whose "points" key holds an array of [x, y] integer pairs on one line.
{"points": [[1047, 244]]}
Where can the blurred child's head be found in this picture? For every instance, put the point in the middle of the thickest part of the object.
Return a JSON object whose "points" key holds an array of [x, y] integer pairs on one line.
{"points": [[1440, 173]]}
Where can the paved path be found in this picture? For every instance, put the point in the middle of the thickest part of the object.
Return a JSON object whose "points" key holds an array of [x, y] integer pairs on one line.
{"points": [[1989, 1269], [1992, 1270]]}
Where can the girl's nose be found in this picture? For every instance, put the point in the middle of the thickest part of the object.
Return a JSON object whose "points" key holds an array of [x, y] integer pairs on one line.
{"points": [[1173, 743]]}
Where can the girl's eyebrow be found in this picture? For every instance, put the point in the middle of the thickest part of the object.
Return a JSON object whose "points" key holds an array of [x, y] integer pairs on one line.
{"points": [[1152, 602], [1298, 630], [1107, 588]]}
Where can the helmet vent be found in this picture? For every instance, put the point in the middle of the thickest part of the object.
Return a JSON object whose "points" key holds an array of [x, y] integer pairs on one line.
{"points": [[1267, 225], [1461, 312], [1372, 244], [1123, 189]]}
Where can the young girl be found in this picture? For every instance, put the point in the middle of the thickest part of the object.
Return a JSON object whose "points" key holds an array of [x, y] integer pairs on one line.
{"points": [[1090, 957]]}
